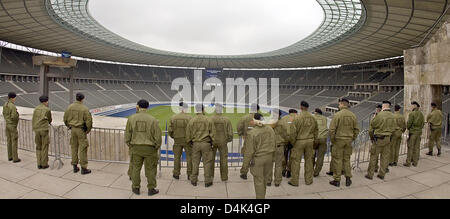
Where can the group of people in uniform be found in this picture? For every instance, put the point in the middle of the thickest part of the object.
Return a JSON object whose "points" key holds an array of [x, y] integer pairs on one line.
{"points": [[386, 131], [272, 149]]}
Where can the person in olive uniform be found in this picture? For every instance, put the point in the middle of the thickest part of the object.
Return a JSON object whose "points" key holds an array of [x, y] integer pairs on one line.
{"points": [[177, 131], [281, 128], [42, 118], [260, 146], [397, 136], [377, 110], [287, 149], [11, 116], [200, 132], [143, 137], [320, 144], [435, 120], [244, 125], [415, 124], [343, 131], [79, 120], [303, 132], [224, 135], [381, 129]]}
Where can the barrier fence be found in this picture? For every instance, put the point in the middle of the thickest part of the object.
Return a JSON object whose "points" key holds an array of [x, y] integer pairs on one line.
{"points": [[108, 145]]}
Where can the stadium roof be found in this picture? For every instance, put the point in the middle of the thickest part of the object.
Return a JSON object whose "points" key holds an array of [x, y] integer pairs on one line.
{"points": [[352, 31]]}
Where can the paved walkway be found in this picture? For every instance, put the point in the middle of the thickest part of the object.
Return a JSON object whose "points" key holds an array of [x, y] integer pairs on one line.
{"points": [[431, 179]]}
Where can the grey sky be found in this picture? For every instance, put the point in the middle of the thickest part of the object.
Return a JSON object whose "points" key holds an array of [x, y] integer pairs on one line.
{"points": [[213, 27]]}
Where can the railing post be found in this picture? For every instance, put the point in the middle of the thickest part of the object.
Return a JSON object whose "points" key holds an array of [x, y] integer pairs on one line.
{"points": [[57, 142]]}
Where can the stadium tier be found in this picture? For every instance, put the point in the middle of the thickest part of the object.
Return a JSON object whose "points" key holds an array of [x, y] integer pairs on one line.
{"points": [[107, 84]]}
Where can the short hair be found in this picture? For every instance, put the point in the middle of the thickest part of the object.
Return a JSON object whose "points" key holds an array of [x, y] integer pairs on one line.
{"points": [[181, 104], [379, 106], [319, 111], [387, 102], [12, 95], [143, 104], [293, 111], [258, 116], [433, 104], [397, 107], [343, 100], [43, 99], [415, 103], [79, 96], [304, 104]]}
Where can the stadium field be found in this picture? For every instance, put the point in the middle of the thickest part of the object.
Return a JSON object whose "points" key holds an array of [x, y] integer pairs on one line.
{"points": [[163, 114]]}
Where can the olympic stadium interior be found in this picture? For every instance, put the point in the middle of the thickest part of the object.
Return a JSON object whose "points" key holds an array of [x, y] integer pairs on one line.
{"points": [[366, 51]]}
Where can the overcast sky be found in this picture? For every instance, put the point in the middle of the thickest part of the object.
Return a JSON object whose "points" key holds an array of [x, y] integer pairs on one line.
{"points": [[213, 27]]}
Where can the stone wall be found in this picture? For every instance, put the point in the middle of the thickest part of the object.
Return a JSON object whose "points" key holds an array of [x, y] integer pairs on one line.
{"points": [[427, 68]]}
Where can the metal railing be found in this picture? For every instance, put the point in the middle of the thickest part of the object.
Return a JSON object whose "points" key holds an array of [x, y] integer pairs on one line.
{"points": [[108, 145]]}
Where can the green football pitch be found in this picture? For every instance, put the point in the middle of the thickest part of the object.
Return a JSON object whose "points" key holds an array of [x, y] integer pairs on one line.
{"points": [[164, 113]]}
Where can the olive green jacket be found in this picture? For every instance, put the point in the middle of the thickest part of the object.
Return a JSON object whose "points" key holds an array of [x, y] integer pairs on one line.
{"points": [[416, 122], [304, 127], [10, 114], [322, 123], [224, 129], [243, 124], [42, 117], [401, 122], [200, 129], [260, 141], [435, 119], [143, 130], [383, 124], [282, 131], [77, 115], [344, 125], [177, 127]]}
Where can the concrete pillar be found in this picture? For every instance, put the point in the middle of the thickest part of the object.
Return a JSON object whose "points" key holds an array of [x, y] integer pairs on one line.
{"points": [[427, 68], [43, 83]]}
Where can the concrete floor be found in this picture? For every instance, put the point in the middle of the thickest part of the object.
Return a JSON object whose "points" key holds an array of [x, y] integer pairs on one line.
{"points": [[431, 179]]}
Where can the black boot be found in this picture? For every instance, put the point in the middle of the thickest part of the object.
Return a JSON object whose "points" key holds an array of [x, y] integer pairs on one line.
{"points": [[244, 176], [288, 174], [368, 177], [429, 153], [348, 181], [153, 192], [330, 173], [75, 169], [335, 183], [381, 177], [194, 183], [17, 161], [39, 167], [208, 184], [136, 191], [292, 184], [10, 159], [45, 167], [85, 171], [439, 153], [269, 184], [176, 177], [283, 173]]}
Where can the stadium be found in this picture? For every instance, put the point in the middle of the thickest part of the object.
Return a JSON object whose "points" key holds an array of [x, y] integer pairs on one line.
{"points": [[365, 51]]}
